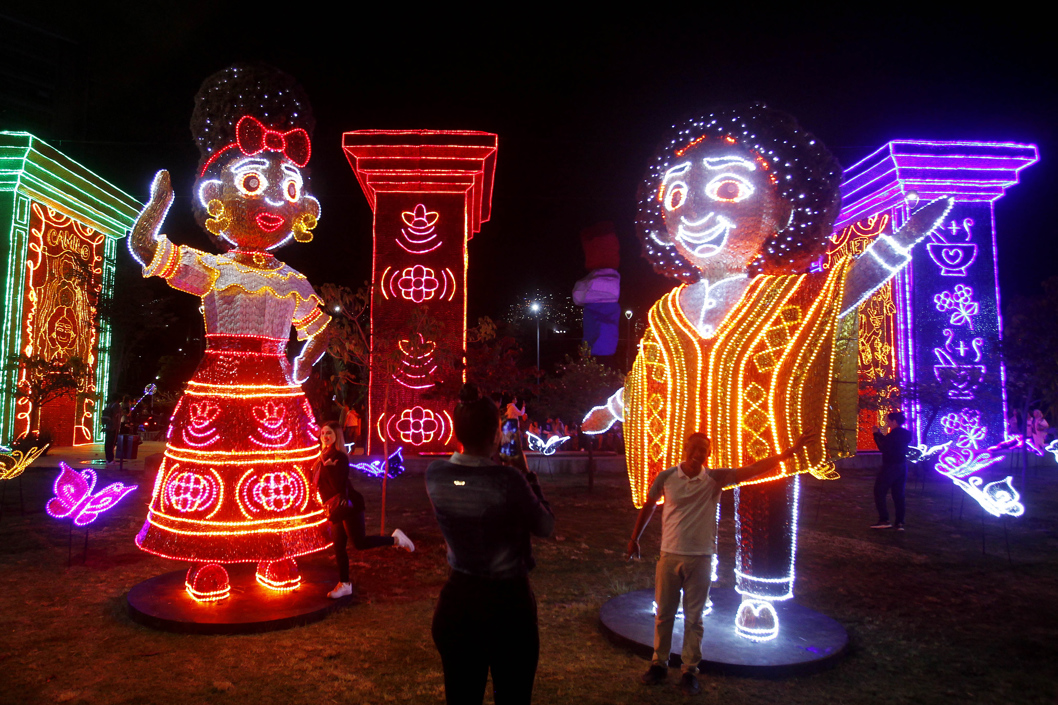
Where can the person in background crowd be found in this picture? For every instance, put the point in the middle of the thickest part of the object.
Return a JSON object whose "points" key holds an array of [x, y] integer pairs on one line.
{"points": [[513, 411], [893, 475], [111, 424], [571, 431], [1013, 422], [486, 613], [1036, 431], [352, 427], [125, 423]]}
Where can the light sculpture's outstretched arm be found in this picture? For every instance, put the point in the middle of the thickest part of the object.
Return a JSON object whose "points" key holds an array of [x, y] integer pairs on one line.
{"points": [[145, 233], [310, 354], [890, 253], [601, 418]]}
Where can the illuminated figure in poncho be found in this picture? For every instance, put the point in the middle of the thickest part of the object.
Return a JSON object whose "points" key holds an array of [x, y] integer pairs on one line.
{"points": [[233, 486], [737, 205]]}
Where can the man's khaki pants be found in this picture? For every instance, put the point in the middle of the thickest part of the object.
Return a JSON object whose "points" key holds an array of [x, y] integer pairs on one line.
{"points": [[692, 574]]}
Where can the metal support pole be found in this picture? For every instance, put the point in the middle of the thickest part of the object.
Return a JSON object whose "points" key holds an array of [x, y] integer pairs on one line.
{"points": [[538, 353]]}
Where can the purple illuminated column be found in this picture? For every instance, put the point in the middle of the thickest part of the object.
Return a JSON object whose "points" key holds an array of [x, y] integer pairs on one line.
{"points": [[949, 324]]}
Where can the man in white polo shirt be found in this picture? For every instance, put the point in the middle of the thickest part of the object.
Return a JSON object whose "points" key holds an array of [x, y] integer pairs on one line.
{"points": [[688, 541]]}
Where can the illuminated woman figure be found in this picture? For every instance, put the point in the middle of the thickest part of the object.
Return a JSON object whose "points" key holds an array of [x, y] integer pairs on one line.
{"points": [[737, 205], [233, 486]]}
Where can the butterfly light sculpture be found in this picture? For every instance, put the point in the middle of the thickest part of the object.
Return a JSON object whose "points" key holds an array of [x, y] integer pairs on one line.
{"points": [[997, 498], [920, 453], [1052, 448], [74, 496], [374, 468], [548, 447], [14, 462]]}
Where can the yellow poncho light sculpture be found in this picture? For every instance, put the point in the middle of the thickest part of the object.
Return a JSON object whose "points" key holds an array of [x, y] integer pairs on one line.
{"points": [[753, 349]]}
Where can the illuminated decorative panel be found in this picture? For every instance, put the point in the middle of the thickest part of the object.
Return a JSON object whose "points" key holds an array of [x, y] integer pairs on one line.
{"points": [[945, 308], [61, 222], [430, 191]]}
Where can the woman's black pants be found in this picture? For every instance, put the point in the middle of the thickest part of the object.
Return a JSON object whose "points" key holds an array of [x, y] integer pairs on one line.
{"points": [[891, 478], [349, 523], [482, 624]]}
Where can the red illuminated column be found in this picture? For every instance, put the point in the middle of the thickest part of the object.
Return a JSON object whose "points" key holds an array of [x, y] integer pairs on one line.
{"points": [[430, 191]]}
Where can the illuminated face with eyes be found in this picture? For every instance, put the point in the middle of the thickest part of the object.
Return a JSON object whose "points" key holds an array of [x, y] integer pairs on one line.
{"points": [[719, 207], [258, 202]]}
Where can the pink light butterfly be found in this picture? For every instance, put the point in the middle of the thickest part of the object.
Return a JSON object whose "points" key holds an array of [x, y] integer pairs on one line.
{"points": [[74, 498]]}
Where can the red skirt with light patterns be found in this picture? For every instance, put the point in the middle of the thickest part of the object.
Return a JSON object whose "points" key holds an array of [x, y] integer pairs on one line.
{"points": [[234, 483]]}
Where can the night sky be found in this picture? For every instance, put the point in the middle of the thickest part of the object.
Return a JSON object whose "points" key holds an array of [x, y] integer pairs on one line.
{"points": [[578, 101]]}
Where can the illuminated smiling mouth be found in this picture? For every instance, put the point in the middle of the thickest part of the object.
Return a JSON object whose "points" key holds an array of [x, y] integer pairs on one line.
{"points": [[269, 222], [704, 241]]}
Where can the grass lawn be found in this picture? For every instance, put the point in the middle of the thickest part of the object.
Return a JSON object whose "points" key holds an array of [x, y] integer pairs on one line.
{"points": [[930, 619]]}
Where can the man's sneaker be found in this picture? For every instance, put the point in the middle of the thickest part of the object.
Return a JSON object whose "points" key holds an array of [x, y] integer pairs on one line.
{"points": [[341, 590], [403, 541], [899, 527], [654, 675], [689, 684], [882, 525]]}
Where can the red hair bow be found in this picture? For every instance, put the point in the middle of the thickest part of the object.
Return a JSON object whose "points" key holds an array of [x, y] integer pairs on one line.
{"points": [[252, 137]]}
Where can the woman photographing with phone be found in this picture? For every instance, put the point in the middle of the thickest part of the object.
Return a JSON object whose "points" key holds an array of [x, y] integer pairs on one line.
{"points": [[486, 614], [345, 507]]}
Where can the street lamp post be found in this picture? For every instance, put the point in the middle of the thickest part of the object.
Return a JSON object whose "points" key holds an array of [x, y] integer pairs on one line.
{"points": [[628, 334], [535, 308]]}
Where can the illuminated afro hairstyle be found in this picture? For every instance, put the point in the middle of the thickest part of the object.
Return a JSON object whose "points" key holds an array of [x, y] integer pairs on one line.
{"points": [[265, 92], [806, 176]]}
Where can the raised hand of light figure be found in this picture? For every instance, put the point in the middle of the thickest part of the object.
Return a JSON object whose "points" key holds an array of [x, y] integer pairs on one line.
{"points": [[144, 238]]}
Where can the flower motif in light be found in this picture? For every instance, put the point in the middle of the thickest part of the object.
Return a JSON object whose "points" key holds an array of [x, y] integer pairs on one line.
{"points": [[960, 302], [418, 283], [269, 414], [276, 491], [968, 423], [418, 425], [420, 233], [192, 492], [203, 413]]}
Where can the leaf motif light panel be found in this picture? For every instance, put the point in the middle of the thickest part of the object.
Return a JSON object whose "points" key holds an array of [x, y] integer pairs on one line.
{"points": [[430, 191], [945, 306]]}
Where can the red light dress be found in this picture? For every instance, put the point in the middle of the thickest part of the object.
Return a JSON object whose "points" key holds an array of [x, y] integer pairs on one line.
{"points": [[233, 486]]}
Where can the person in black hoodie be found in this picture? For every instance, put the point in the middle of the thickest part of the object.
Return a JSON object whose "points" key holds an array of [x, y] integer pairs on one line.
{"points": [[345, 507], [486, 613], [893, 475]]}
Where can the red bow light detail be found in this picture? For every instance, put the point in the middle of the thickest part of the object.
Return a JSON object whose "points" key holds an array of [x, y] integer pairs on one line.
{"points": [[252, 137]]}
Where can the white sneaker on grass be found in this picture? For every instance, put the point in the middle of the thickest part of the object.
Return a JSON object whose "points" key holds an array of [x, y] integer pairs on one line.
{"points": [[341, 590], [403, 541]]}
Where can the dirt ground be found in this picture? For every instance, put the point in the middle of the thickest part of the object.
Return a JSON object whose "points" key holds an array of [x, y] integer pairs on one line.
{"points": [[931, 619]]}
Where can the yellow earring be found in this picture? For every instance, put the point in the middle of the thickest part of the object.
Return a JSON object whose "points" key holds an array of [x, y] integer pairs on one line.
{"points": [[219, 221], [303, 225]]}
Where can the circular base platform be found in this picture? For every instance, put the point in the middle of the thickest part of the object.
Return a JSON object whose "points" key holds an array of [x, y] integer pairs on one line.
{"points": [[162, 603], [807, 641]]}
